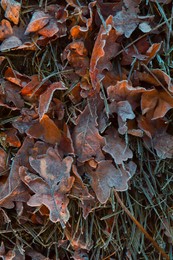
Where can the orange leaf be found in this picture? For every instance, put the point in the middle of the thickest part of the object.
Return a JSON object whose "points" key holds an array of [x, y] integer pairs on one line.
{"points": [[45, 130], [5, 29], [12, 10], [160, 102], [38, 21]]}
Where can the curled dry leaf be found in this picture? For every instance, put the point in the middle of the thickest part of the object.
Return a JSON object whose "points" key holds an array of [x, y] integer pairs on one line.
{"points": [[38, 21], [80, 191], [105, 177], [5, 29], [76, 54], [10, 43], [116, 146], [151, 52], [12, 10], [105, 48], [16, 77], [123, 90], [10, 138], [12, 94], [3, 161], [151, 127], [87, 140], [46, 97], [12, 185], [158, 101], [52, 184], [45, 130]]}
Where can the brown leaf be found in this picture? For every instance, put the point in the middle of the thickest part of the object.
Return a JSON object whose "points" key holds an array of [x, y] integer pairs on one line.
{"points": [[105, 48], [151, 52], [123, 90], [52, 184], [87, 140], [12, 94], [16, 77], [3, 161], [45, 130], [50, 29], [10, 138], [10, 187], [163, 144], [12, 10], [76, 54], [80, 191], [158, 101], [5, 29], [116, 146], [105, 177], [151, 127], [46, 97], [38, 21]]}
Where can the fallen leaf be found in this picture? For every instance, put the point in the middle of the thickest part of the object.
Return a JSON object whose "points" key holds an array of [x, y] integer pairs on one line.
{"points": [[3, 161], [76, 54], [16, 77], [5, 29], [52, 186], [10, 138], [80, 191], [10, 43], [50, 29], [46, 97], [158, 101], [12, 184], [152, 52], [12, 94], [116, 146], [38, 21], [163, 144], [105, 48], [127, 20], [106, 177], [87, 140], [45, 130], [12, 10], [123, 90]]}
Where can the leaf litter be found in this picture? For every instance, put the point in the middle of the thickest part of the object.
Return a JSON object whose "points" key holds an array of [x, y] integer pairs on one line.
{"points": [[86, 129]]}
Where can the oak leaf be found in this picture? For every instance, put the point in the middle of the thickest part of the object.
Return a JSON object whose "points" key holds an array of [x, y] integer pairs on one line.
{"points": [[45, 130], [116, 146], [87, 140], [105, 48], [158, 101], [106, 177], [127, 20], [51, 185], [123, 90]]}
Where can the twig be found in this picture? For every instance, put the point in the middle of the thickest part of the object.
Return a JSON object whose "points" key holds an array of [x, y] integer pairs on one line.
{"points": [[157, 247]]}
